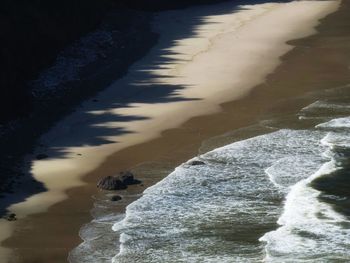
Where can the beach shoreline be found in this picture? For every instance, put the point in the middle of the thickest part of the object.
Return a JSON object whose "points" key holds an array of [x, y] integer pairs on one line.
{"points": [[171, 140]]}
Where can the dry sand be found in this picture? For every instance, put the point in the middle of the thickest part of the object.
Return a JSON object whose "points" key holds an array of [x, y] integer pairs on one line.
{"points": [[227, 54]]}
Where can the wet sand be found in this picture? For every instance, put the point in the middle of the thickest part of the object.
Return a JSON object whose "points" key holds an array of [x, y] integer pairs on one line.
{"points": [[304, 69]]}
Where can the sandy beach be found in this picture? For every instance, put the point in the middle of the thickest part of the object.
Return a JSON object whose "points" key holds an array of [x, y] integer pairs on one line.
{"points": [[211, 65]]}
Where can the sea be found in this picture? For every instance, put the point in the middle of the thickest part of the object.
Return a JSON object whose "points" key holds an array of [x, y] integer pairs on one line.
{"points": [[281, 194]]}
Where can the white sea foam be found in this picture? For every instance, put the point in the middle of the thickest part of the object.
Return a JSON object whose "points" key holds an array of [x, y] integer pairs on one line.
{"points": [[99, 241], [342, 123], [323, 109], [216, 212], [325, 105], [309, 228]]}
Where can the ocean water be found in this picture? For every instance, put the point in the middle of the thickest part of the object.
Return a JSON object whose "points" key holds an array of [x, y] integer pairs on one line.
{"points": [[281, 196]]}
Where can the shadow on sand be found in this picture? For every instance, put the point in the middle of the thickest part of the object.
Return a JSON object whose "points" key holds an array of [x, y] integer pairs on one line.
{"points": [[140, 85]]}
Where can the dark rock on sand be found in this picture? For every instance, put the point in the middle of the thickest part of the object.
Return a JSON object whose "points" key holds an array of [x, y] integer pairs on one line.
{"points": [[115, 198], [128, 178], [11, 217], [196, 163], [118, 182], [204, 183], [41, 156], [111, 183]]}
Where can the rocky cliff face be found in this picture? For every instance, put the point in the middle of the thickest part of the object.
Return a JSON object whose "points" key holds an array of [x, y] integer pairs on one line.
{"points": [[34, 31]]}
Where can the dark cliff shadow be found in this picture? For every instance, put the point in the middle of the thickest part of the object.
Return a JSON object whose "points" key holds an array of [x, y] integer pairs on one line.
{"points": [[144, 88]]}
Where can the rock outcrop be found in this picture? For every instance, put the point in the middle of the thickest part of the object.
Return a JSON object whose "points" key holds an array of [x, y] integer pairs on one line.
{"points": [[115, 198], [111, 183], [119, 182], [11, 217], [128, 178], [193, 163]]}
